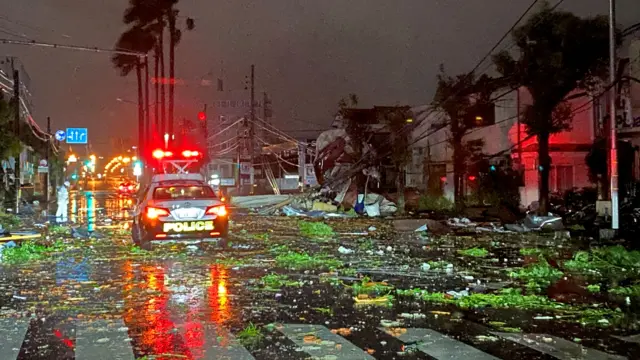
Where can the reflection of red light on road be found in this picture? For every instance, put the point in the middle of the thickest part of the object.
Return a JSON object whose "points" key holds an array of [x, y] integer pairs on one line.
{"points": [[218, 295], [64, 340], [194, 338], [157, 333]]}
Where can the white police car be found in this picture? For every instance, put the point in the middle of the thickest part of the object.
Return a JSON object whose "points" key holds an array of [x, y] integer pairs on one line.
{"points": [[179, 207]]}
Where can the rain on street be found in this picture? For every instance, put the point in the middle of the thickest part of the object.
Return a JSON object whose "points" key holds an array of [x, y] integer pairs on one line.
{"points": [[293, 289]]}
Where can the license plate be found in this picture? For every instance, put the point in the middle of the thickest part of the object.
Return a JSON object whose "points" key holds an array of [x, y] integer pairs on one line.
{"points": [[187, 213], [188, 226]]}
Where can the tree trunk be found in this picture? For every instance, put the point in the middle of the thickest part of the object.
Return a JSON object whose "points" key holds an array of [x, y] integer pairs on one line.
{"points": [[172, 65], [458, 173], [163, 115], [156, 106], [400, 190], [141, 143], [545, 166]]}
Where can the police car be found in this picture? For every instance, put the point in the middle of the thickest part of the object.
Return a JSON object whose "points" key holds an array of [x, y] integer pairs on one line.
{"points": [[179, 207]]}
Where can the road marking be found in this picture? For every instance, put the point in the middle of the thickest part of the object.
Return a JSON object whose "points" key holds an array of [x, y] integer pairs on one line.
{"points": [[209, 342], [12, 333], [632, 338], [103, 339], [320, 342], [437, 345], [559, 348]]}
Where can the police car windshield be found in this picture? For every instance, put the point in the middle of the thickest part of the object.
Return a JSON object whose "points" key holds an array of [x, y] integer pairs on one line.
{"points": [[183, 192]]}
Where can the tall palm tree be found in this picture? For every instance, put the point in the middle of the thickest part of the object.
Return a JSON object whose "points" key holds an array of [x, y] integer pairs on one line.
{"points": [[136, 39], [174, 37], [150, 16], [157, 15]]}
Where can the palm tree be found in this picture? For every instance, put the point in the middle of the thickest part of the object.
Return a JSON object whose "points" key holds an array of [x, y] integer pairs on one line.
{"points": [[140, 40], [149, 15], [156, 15]]}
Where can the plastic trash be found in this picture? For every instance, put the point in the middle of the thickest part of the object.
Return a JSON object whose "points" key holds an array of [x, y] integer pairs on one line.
{"points": [[345, 251], [422, 228]]}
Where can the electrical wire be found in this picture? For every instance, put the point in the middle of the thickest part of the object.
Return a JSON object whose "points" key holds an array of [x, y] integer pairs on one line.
{"points": [[224, 130], [278, 130]]}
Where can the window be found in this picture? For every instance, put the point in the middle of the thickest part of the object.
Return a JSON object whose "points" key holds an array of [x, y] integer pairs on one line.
{"points": [[183, 193], [563, 178]]}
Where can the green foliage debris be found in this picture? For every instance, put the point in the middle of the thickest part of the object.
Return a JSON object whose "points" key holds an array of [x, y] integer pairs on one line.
{"points": [[373, 289], [507, 298], [538, 277], [593, 288], [30, 251], [613, 264], [277, 282], [315, 229], [474, 252], [631, 291], [250, 336]]}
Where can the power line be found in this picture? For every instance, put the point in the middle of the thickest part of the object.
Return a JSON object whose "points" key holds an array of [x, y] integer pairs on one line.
{"points": [[504, 36], [71, 47]]}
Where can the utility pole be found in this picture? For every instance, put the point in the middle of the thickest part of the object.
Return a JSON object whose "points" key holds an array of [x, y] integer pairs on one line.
{"points": [[47, 177], [147, 110], [16, 129], [613, 163], [141, 128], [205, 127], [251, 128]]}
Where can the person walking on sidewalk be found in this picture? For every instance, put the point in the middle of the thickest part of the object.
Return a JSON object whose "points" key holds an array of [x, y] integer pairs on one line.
{"points": [[63, 203]]}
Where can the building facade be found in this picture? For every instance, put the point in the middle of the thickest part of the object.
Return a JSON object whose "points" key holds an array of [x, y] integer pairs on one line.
{"points": [[432, 165]]}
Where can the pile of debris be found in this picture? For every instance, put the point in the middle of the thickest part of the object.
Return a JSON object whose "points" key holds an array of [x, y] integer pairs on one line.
{"points": [[317, 204], [550, 223]]}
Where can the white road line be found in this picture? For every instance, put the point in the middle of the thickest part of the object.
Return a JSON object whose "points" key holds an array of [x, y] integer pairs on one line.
{"points": [[320, 342], [632, 338], [102, 339], [12, 333], [208, 342], [559, 348], [439, 346]]}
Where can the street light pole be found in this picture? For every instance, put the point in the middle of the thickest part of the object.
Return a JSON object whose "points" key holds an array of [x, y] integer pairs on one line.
{"points": [[613, 163]]}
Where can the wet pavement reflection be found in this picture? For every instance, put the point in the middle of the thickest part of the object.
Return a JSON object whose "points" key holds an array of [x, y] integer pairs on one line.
{"points": [[105, 299]]}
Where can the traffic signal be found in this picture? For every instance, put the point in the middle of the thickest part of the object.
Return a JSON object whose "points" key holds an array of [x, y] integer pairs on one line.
{"points": [[202, 115], [492, 168]]}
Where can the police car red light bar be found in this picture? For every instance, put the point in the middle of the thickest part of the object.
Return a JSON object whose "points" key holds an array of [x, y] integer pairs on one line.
{"points": [[159, 154], [190, 153]]}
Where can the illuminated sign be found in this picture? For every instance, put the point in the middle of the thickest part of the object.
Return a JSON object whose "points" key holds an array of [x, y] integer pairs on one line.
{"points": [[77, 135], [188, 226]]}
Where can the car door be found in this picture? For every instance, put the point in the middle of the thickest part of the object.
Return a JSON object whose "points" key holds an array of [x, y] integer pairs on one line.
{"points": [[141, 201]]}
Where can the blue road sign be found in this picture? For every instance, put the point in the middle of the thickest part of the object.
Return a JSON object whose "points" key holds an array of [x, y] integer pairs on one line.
{"points": [[77, 135], [61, 135]]}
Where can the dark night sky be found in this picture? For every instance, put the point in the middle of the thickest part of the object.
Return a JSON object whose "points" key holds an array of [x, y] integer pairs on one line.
{"points": [[308, 53]]}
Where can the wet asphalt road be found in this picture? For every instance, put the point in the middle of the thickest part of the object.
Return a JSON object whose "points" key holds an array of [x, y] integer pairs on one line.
{"points": [[104, 299]]}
